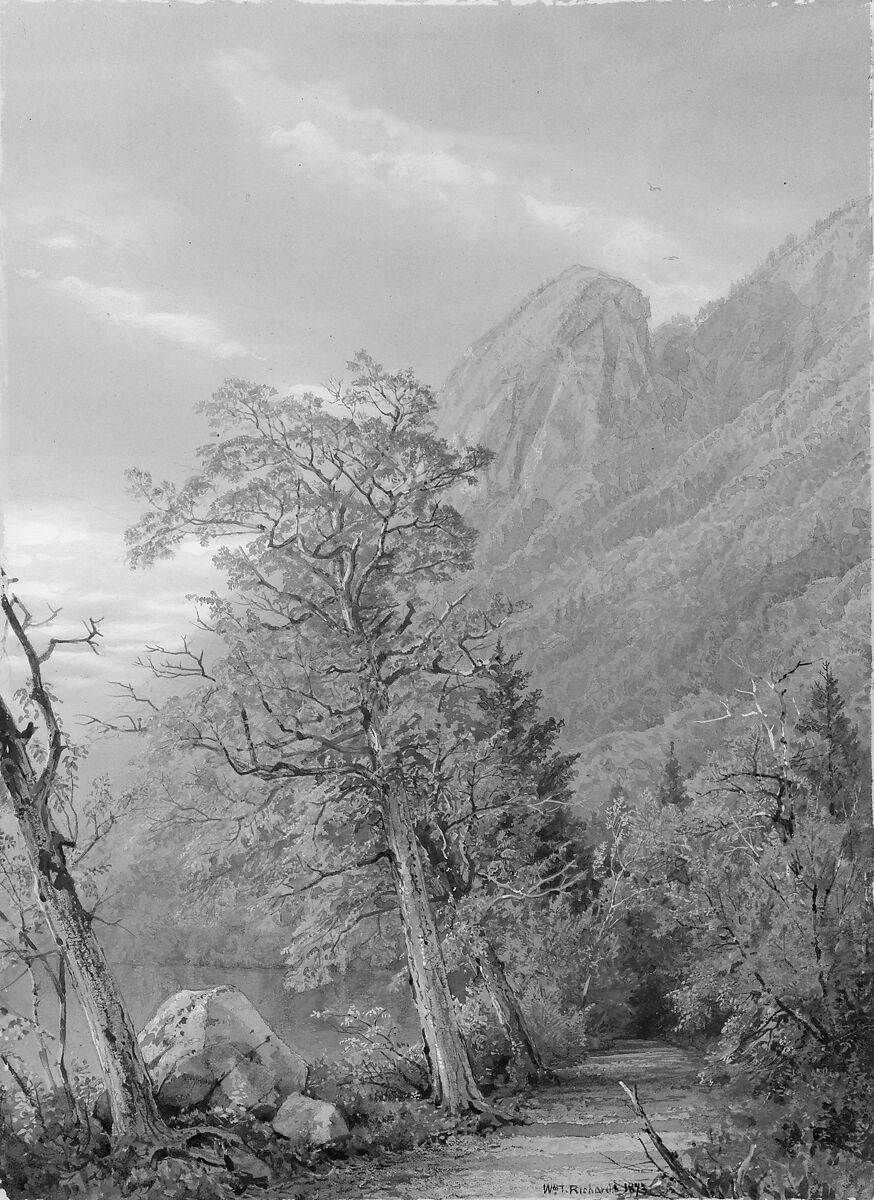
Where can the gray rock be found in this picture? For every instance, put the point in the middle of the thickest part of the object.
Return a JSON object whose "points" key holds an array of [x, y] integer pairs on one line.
{"points": [[248, 1087], [213, 1045]]}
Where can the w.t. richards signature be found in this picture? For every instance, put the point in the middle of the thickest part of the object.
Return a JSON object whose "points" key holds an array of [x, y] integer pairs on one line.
{"points": [[585, 1189]]}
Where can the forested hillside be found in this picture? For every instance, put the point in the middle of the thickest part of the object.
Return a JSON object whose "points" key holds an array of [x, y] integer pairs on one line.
{"points": [[674, 502]]}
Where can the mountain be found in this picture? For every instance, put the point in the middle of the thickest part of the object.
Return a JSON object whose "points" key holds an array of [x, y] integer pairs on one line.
{"points": [[673, 502]]}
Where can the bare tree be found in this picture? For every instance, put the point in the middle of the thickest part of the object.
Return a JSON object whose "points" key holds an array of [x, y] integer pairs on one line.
{"points": [[31, 760]]}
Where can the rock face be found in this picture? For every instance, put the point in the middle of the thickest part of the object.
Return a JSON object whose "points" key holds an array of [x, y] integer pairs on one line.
{"points": [[309, 1122], [667, 501], [213, 1048], [570, 363]]}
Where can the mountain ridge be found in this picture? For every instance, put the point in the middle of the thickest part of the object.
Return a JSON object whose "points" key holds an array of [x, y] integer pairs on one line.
{"points": [[668, 500]]}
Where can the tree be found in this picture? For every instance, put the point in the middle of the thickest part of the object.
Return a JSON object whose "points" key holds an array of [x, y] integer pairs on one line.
{"points": [[28, 948], [777, 916], [835, 767], [342, 533], [498, 833], [671, 787], [32, 758]]}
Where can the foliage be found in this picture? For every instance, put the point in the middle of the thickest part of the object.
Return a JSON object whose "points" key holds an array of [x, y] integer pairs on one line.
{"points": [[564, 1030], [832, 761], [375, 1060], [45, 1152], [333, 638], [380, 1081], [671, 788], [768, 881]]}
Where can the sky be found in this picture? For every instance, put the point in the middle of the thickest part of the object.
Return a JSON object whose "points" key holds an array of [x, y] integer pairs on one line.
{"points": [[196, 191]]}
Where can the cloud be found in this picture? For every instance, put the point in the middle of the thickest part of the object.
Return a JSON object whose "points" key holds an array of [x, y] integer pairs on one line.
{"points": [[60, 241], [126, 308], [673, 281], [323, 137], [566, 218], [638, 243], [41, 531], [89, 214], [319, 131], [401, 173]]}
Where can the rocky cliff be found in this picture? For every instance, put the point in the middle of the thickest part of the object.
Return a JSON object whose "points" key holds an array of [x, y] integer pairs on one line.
{"points": [[674, 502]]}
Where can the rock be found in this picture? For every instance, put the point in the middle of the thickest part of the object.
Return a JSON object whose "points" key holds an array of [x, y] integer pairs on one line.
{"points": [[207, 1047], [248, 1086], [310, 1122]]}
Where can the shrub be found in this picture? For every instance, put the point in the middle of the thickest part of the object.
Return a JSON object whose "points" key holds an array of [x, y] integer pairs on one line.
{"points": [[563, 1030], [376, 1062]]}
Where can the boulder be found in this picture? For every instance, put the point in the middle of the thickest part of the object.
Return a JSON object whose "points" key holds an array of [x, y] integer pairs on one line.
{"points": [[214, 1048], [250, 1087], [309, 1122]]}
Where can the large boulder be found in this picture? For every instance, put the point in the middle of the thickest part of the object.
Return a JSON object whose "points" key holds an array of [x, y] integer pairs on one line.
{"points": [[213, 1048], [308, 1122]]}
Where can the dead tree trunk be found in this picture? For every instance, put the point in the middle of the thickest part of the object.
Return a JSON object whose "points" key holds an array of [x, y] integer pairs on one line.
{"points": [[131, 1097]]}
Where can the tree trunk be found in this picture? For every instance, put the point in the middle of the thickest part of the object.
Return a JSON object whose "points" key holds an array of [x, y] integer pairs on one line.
{"points": [[131, 1097], [527, 1062], [455, 1088]]}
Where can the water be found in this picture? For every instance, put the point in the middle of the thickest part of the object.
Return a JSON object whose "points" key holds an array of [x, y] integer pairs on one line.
{"points": [[146, 986]]}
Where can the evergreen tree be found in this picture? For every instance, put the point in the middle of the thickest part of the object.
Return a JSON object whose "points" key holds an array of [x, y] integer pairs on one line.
{"points": [[501, 838], [528, 750], [671, 788], [833, 763]]}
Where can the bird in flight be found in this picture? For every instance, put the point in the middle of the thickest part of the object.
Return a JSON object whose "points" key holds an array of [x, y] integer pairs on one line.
{"points": [[672, 258], [652, 187]]}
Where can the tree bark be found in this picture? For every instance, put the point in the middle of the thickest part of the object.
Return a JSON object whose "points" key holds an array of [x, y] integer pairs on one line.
{"points": [[527, 1062], [131, 1096], [455, 1088], [455, 878]]}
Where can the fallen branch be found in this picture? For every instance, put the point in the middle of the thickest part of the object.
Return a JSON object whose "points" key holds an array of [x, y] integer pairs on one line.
{"points": [[670, 1165]]}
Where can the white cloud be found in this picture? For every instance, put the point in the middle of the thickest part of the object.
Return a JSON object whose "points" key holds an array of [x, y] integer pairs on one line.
{"points": [[401, 173], [320, 134], [318, 130], [636, 243], [60, 241], [31, 532], [672, 280], [566, 218], [126, 308], [88, 215]]}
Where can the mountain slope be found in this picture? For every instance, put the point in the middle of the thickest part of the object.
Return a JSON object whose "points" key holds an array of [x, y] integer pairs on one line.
{"points": [[669, 503]]}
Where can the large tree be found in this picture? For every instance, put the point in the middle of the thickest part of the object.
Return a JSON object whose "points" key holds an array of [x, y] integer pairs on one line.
{"points": [[339, 537]]}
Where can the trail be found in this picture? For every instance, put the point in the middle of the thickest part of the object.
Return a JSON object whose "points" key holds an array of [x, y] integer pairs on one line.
{"points": [[582, 1138]]}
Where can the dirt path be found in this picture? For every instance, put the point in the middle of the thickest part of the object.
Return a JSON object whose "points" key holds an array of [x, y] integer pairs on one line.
{"points": [[582, 1139]]}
